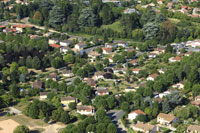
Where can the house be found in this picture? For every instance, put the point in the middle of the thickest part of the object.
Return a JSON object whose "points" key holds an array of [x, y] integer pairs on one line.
{"points": [[43, 95], [48, 34], [122, 44], [80, 45], [91, 82], [110, 45], [158, 51], [196, 101], [67, 73], [85, 110], [119, 70], [111, 60], [175, 59], [170, 5], [161, 95], [162, 70], [135, 70], [132, 115], [37, 84], [2, 27], [93, 54], [134, 62], [179, 85], [98, 75], [65, 43], [130, 10], [166, 119], [193, 129], [107, 50], [9, 30], [144, 127], [152, 55], [34, 37], [67, 100], [52, 76], [101, 92], [55, 46], [160, 2], [152, 77], [130, 89], [20, 28], [53, 41], [78, 51], [64, 49]]}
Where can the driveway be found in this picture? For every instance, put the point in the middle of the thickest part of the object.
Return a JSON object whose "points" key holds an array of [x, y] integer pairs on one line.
{"points": [[14, 110], [115, 116]]}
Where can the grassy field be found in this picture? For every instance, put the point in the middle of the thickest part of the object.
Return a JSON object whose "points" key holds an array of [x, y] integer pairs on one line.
{"points": [[21, 105], [114, 26]]}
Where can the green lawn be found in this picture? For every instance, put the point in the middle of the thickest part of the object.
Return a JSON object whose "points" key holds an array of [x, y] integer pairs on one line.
{"points": [[114, 26], [130, 131]]}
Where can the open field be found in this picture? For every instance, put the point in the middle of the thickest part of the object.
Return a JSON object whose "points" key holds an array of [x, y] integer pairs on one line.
{"points": [[8, 126], [9, 123], [114, 26]]}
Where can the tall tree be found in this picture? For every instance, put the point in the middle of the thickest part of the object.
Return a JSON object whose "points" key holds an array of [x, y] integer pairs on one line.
{"points": [[56, 17]]}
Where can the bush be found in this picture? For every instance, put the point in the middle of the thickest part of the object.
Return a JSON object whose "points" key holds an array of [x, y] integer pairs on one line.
{"points": [[72, 105], [21, 129]]}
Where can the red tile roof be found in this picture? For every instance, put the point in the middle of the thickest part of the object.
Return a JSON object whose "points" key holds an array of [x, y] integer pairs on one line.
{"points": [[55, 45], [139, 112]]}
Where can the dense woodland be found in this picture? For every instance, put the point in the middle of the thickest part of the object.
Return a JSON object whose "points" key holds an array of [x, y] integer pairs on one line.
{"points": [[80, 17]]}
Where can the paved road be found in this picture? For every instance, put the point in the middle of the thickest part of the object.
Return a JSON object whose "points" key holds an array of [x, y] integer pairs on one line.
{"points": [[14, 110], [115, 116]]}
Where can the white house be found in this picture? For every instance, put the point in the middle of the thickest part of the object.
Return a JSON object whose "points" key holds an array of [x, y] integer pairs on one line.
{"points": [[43, 95], [67, 73], [64, 49], [118, 70], [130, 10], [161, 95], [98, 75], [175, 59], [135, 70], [132, 115], [166, 119], [80, 45], [111, 60], [179, 85], [53, 41], [66, 43], [85, 110], [152, 77], [122, 44], [107, 50], [152, 55]]}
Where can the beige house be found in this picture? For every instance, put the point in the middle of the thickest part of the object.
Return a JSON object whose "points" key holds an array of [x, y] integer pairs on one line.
{"points": [[144, 127], [43, 95], [193, 129], [85, 110], [67, 100], [166, 119]]}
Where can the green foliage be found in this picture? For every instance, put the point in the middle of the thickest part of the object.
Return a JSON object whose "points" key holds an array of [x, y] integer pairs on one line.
{"points": [[56, 17], [21, 129], [87, 18]]}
